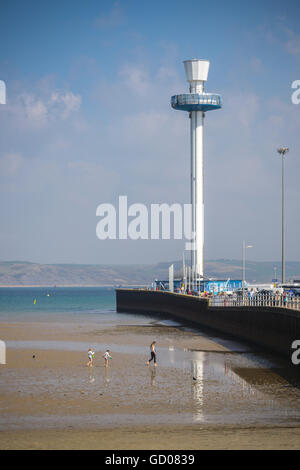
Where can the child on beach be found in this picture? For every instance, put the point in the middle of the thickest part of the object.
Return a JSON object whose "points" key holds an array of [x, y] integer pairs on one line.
{"points": [[106, 357], [153, 354], [91, 355]]}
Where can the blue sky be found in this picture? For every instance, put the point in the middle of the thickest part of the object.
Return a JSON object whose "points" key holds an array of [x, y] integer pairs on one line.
{"points": [[88, 118]]}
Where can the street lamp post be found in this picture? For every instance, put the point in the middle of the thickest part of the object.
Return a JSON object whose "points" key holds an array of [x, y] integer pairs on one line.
{"points": [[244, 267], [282, 151], [275, 274]]}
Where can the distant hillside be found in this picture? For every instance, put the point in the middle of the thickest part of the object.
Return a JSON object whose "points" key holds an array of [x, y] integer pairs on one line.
{"points": [[19, 273], [256, 271]]}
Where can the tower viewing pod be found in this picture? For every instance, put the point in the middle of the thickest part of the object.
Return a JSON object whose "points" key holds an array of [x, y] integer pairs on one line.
{"points": [[197, 102]]}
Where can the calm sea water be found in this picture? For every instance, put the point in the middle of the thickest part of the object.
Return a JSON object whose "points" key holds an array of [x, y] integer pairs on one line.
{"points": [[17, 302]]}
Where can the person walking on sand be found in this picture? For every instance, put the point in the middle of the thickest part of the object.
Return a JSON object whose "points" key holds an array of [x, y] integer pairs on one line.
{"points": [[106, 357], [153, 353], [91, 355]]}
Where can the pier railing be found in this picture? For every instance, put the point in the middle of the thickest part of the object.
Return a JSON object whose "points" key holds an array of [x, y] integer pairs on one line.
{"points": [[258, 300]]}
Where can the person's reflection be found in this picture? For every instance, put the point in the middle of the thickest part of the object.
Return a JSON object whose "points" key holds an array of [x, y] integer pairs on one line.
{"points": [[106, 377], [92, 379], [171, 354], [152, 376], [226, 366]]}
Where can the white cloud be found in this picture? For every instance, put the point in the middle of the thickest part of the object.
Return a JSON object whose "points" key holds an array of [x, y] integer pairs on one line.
{"points": [[38, 111], [113, 18], [136, 79], [292, 45], [68, 103], [35, 110]]}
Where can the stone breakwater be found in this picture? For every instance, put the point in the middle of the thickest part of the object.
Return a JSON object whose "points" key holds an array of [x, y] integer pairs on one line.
{"points": [[271, 328]]}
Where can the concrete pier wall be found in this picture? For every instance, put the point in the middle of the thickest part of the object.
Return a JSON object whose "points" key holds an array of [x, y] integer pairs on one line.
{"points": [[271, 328]]}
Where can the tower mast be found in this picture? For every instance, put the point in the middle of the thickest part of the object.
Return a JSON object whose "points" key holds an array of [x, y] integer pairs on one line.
{"points": [[197, 102]]}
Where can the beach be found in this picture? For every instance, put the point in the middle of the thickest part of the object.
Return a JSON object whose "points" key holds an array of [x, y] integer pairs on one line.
{"points": [[205, 393]]}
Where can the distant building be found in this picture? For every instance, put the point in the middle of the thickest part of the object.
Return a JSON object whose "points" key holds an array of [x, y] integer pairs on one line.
{"points": [[221, 285], [213, 286]]}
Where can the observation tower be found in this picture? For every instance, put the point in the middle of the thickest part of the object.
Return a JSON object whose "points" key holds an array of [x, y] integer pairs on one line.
{"points": [[196, 103]]}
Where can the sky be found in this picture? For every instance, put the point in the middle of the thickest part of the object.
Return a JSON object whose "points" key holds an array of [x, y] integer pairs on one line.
{"points": [[88, 118]]}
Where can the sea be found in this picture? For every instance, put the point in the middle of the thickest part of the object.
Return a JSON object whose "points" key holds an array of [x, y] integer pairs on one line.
{"points": [[50, 302]]}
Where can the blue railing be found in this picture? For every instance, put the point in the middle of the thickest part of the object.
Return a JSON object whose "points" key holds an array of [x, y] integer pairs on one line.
{"points": [[196, 98]]}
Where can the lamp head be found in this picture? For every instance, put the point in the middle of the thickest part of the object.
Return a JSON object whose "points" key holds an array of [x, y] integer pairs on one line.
{"points": [[283, 150]]}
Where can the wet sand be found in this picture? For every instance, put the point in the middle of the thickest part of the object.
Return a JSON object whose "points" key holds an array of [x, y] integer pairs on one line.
{"points": [[201, 395], [154, 438]]}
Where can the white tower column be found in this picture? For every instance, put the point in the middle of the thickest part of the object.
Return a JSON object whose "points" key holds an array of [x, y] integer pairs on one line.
{"points": [[193, 185], [197, 103], [197, 193]]}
